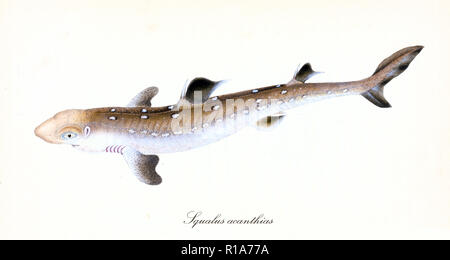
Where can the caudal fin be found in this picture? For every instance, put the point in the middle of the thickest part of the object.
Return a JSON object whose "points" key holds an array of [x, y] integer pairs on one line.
{"points": [[388, 69]]}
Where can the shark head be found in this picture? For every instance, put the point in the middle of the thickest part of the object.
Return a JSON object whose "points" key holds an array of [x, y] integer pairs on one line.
{"points": [[66, 127]]}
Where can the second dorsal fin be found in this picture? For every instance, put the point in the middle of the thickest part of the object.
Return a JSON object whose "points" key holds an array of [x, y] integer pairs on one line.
{"points": [[199, 88]]}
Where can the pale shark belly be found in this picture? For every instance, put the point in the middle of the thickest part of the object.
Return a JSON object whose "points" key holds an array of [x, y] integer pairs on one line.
{"points": [[200, 135]]}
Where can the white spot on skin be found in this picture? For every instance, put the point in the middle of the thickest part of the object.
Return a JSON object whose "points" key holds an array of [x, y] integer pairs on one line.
{"points": [[279, 85], [258, 100], [304, 96], [345, 90], [291, 100], [165, 134], [144, 110], [175, 115], [205, 125], [113, 110], [112, 118], [255, 91], [154, 134], [194, 129], [329, 92], [131, 131], [144, 117], [216, 107], [214, 98], [170, 107], [283, 92]]}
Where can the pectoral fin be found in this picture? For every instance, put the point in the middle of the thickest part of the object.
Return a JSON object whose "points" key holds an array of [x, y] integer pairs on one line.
{"points": [[304, 73], [143, 166], [144, 98]]}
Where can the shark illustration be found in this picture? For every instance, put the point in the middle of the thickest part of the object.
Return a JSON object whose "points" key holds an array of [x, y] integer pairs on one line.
{"points": [[139, 131]]}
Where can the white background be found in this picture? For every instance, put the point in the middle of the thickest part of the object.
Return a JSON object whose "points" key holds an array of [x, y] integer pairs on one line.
{"points": [[341, 168]]}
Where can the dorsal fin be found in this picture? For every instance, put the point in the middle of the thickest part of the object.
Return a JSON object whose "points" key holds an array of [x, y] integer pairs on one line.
{"points": [[202, 86], [304, 73], [144, 97]]}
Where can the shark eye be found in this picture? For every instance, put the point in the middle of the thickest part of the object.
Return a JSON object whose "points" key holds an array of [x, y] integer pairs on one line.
{"points": [[69, 135]]}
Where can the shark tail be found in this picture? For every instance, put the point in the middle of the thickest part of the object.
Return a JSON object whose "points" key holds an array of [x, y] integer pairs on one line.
{"points": [[388, 69]]}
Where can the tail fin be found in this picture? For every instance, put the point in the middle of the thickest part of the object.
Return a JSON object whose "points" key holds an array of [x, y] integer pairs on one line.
{"points": [[388, 69]]}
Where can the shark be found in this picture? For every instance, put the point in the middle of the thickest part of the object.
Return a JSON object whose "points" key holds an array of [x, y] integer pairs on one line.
{"points": [[140, 132]]}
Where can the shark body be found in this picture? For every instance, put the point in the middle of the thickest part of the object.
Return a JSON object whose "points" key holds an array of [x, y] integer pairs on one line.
{"points": [[139, 131]]}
